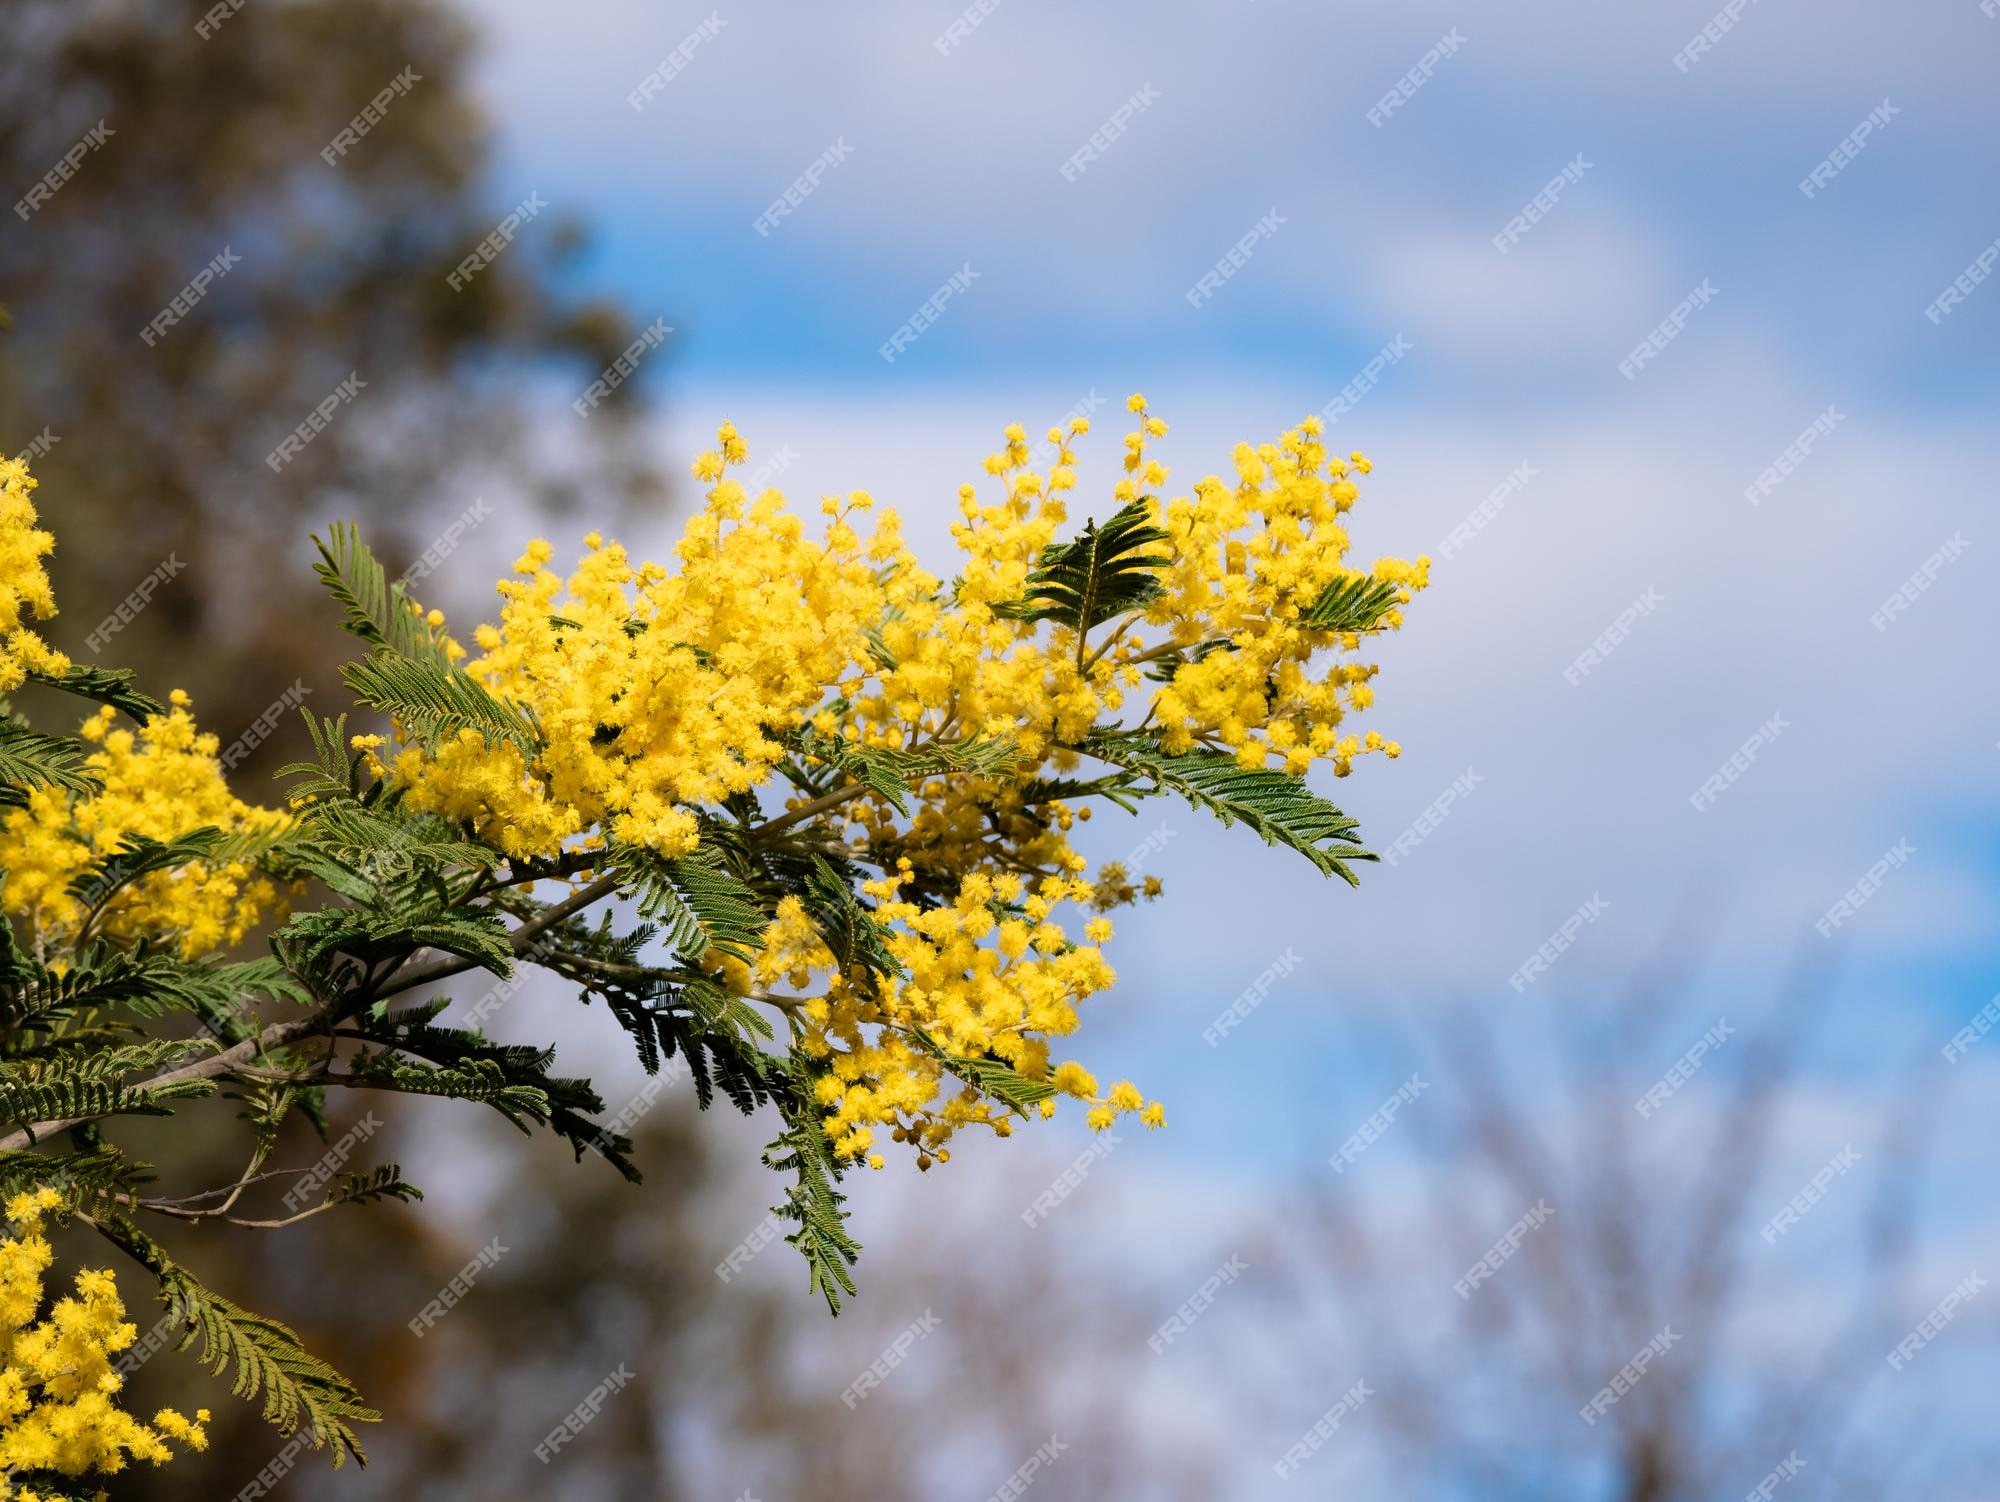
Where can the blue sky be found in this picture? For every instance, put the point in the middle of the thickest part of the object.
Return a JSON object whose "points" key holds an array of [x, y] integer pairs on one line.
{"points": [[953, 159]]}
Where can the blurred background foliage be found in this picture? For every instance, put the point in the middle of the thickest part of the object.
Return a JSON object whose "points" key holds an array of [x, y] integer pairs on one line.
{"points": [[160, 450]]}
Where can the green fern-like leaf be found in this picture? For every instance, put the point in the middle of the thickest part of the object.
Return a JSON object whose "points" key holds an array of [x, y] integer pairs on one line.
{"points": [[699, 903], [377, 611], [990, 1076], [812, 1201], [890, 772], [1353, 604], [111, 686], [29, 761], [1104, 572], [436, 699], [267, 1356], [1277, 805], [373, 1185]]}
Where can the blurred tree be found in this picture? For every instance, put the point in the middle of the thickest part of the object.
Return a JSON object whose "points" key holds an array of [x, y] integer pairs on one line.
{"points": [[1641, 1222], [213, 142]]}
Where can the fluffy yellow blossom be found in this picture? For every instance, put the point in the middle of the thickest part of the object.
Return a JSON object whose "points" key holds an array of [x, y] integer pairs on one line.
{"points": [[58, 1392], [24, 585], [161, 782], [662, 694]]}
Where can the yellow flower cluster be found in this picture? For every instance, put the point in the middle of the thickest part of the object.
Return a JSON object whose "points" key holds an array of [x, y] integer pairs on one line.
{"points": [[24, 584], [657, 691], [58, 1409], [660, 691], [161, 782]]}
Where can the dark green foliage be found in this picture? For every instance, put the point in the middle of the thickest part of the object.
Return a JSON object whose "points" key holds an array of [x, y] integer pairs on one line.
{"points": [[1104, 572], [435, 701], [377, 611], [266, 1355], [29, 761], [111, 686], [697, 901], [1278, 806], [991, 1076], [812, 1201], [1353, 604], [890, 773]]}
